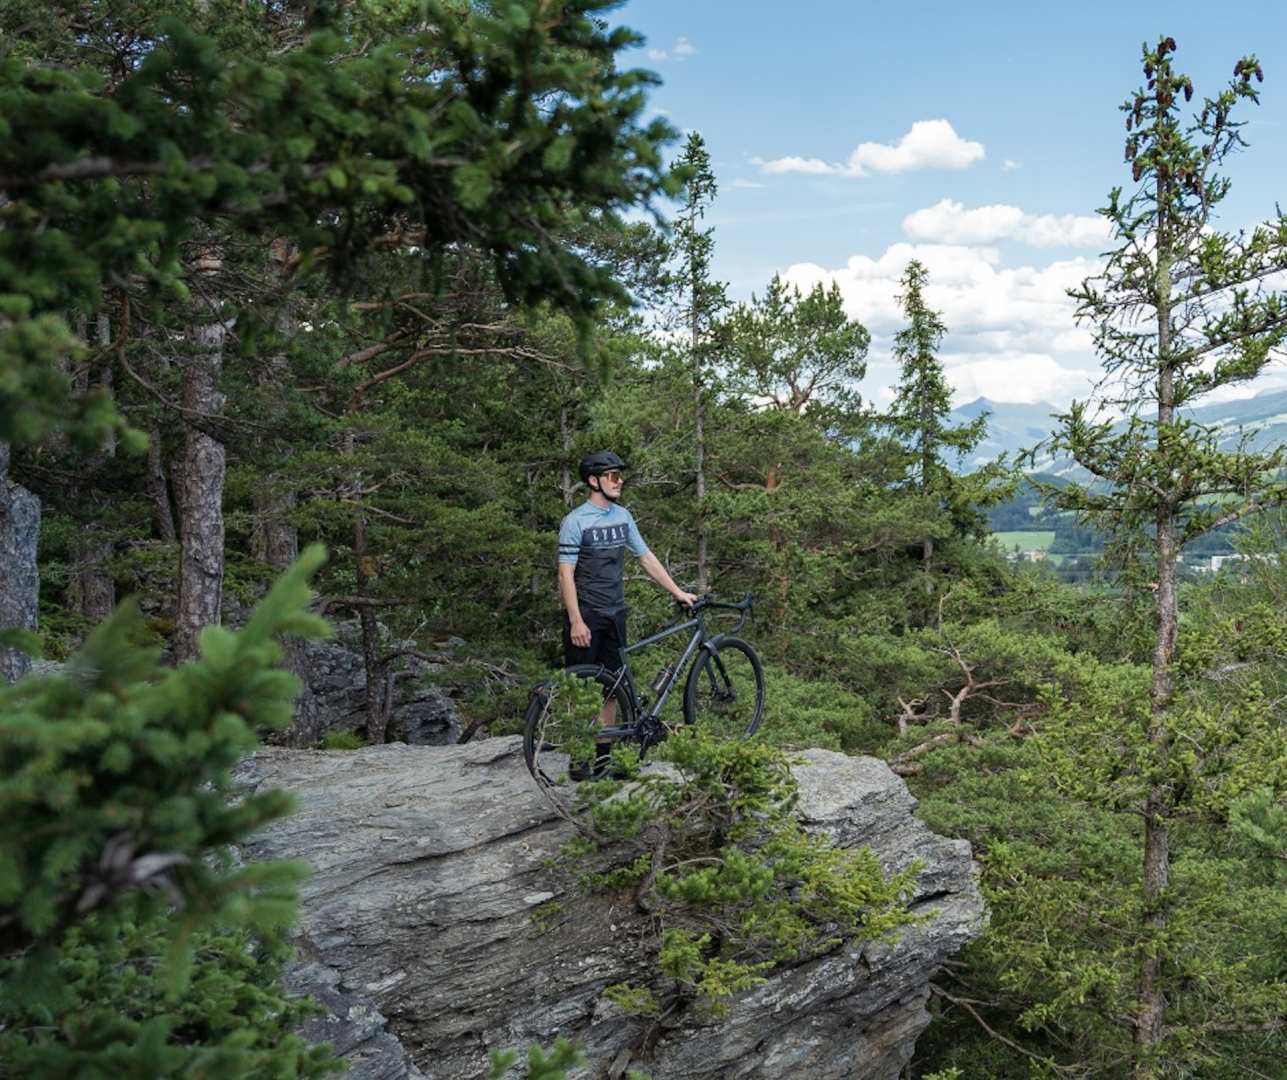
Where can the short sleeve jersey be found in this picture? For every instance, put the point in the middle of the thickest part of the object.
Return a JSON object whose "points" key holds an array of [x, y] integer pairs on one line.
{"points": [[596, 540]]}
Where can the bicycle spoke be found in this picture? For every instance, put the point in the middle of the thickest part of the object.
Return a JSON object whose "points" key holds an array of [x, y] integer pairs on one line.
{"points": [[564, 722], [725, 691]]}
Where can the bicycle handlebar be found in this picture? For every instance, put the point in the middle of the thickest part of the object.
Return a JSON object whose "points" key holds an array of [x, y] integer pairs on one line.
{"points": [[746, 606]]}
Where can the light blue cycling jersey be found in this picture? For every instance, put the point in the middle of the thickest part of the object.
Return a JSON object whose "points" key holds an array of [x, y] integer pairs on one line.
{"points": [[596, 540]]}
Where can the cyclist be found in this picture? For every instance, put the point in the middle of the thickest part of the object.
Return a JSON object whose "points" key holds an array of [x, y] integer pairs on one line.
{"points": [[593, 541]]}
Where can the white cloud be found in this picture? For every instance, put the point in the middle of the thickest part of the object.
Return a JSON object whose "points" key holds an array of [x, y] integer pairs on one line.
{"points": [[796, 164], [1011, 331], [949, 222], [930, 144], [681, 50]]}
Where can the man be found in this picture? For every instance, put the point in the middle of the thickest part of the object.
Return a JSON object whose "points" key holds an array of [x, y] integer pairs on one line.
{"points": [[593, 541]]}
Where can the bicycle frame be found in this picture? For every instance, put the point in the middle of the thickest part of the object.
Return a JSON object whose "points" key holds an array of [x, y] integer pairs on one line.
{"points": [[578, 739], [702, 639]]}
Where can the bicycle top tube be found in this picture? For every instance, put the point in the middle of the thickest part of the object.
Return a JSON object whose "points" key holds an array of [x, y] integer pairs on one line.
{"points": [[661, 635], [746, 606]]}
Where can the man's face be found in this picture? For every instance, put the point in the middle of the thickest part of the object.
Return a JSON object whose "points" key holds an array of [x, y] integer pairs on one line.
{"points": [[610, 484]]}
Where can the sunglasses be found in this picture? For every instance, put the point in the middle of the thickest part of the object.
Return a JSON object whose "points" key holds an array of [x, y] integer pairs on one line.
{"points": [[613, 477]]}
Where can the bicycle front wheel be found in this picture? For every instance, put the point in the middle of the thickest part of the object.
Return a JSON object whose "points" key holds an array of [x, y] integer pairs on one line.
{"points": [[565, 718], [724, 694]]}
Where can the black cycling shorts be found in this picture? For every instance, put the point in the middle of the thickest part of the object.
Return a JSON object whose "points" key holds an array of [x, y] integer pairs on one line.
{"points": [[607, 640]]}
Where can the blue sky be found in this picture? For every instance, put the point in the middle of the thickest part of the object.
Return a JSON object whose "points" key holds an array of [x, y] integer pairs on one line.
{"points": [[849, 137]]}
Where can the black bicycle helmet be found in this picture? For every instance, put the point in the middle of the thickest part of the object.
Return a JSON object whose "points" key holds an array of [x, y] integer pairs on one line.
{"points": [[601, 462]]}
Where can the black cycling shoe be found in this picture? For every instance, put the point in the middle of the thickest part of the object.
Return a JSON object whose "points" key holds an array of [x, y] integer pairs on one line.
{"points": [[597, 769], [602, 767]]}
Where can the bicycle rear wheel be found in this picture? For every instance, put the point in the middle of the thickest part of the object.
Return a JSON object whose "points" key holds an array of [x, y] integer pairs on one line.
{"points": [[564, 719], [724, 694]]}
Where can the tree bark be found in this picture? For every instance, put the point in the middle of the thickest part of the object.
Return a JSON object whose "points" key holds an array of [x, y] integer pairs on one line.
{"points": [[201, 526], [275, 541], [158, 490], [91, 592], [19, 575], [699, 430], [1150, 1025], [377, 718], [374, 706]]}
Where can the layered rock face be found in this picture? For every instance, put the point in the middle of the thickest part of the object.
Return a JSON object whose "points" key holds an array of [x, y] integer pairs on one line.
{"points": [[433, 901]]}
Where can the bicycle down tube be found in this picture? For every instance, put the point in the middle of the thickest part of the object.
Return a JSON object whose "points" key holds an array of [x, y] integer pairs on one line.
{"points": [[571, 731]]}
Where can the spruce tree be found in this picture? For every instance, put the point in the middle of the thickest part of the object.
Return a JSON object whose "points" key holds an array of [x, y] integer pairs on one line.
{"points": [[1180, 310], [919, 418], [701, 313]]}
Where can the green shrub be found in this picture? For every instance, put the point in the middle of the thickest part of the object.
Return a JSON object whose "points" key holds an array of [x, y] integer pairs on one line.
{"points": [[133, 942], [735, 883]]}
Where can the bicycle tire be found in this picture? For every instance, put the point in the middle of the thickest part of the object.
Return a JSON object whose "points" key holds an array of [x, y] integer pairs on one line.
{"points": [[560, 727], [725, 690]]}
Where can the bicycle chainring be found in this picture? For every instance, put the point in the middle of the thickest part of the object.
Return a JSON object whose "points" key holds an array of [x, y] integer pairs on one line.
{"points": [[651, 732]]}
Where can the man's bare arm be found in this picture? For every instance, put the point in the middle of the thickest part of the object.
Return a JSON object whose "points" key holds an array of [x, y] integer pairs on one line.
{"points": [[653, 568]]}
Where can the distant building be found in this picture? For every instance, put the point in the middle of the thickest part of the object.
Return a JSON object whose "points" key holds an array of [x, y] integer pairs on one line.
{"points": [[1218, 561]]}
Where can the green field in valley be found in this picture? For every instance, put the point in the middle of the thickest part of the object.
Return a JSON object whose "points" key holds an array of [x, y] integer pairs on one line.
{"points": [[1025, 541]]}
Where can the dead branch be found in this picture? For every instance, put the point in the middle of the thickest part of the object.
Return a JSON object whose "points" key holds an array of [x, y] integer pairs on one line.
{"points": [[909, 713], [905, 764], [968, 1006], [329, 602]]}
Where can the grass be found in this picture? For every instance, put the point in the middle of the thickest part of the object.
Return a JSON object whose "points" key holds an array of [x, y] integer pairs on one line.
{"points": [[1025, 541]]}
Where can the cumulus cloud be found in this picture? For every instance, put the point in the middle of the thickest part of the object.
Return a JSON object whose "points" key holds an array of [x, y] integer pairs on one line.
{"points": [[1011, 331], [681, 50], [950, 222], [930, 144]]}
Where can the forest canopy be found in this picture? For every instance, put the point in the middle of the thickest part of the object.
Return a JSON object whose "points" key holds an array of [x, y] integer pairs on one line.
{"points": [[374, 277]]}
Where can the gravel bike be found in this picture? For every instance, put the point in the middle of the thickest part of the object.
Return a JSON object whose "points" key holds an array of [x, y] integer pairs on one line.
{"points": [[574, 723]]}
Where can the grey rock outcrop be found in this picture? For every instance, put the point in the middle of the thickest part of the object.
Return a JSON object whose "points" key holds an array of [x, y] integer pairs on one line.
{"points": [[419, 713], [434, 901]]}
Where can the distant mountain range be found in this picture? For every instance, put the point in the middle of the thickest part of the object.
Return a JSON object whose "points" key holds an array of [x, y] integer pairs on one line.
{"points": [[1014, 429]]}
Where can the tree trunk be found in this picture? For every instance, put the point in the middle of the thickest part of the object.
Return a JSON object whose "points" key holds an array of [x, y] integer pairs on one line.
{"points": [[699, 448], [699, 442], [91, 592], [565, 439], [158, 490], [201, 528], [376, 716], [1150, 1025], [19, 576], [275, 541], [363, 567]]}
